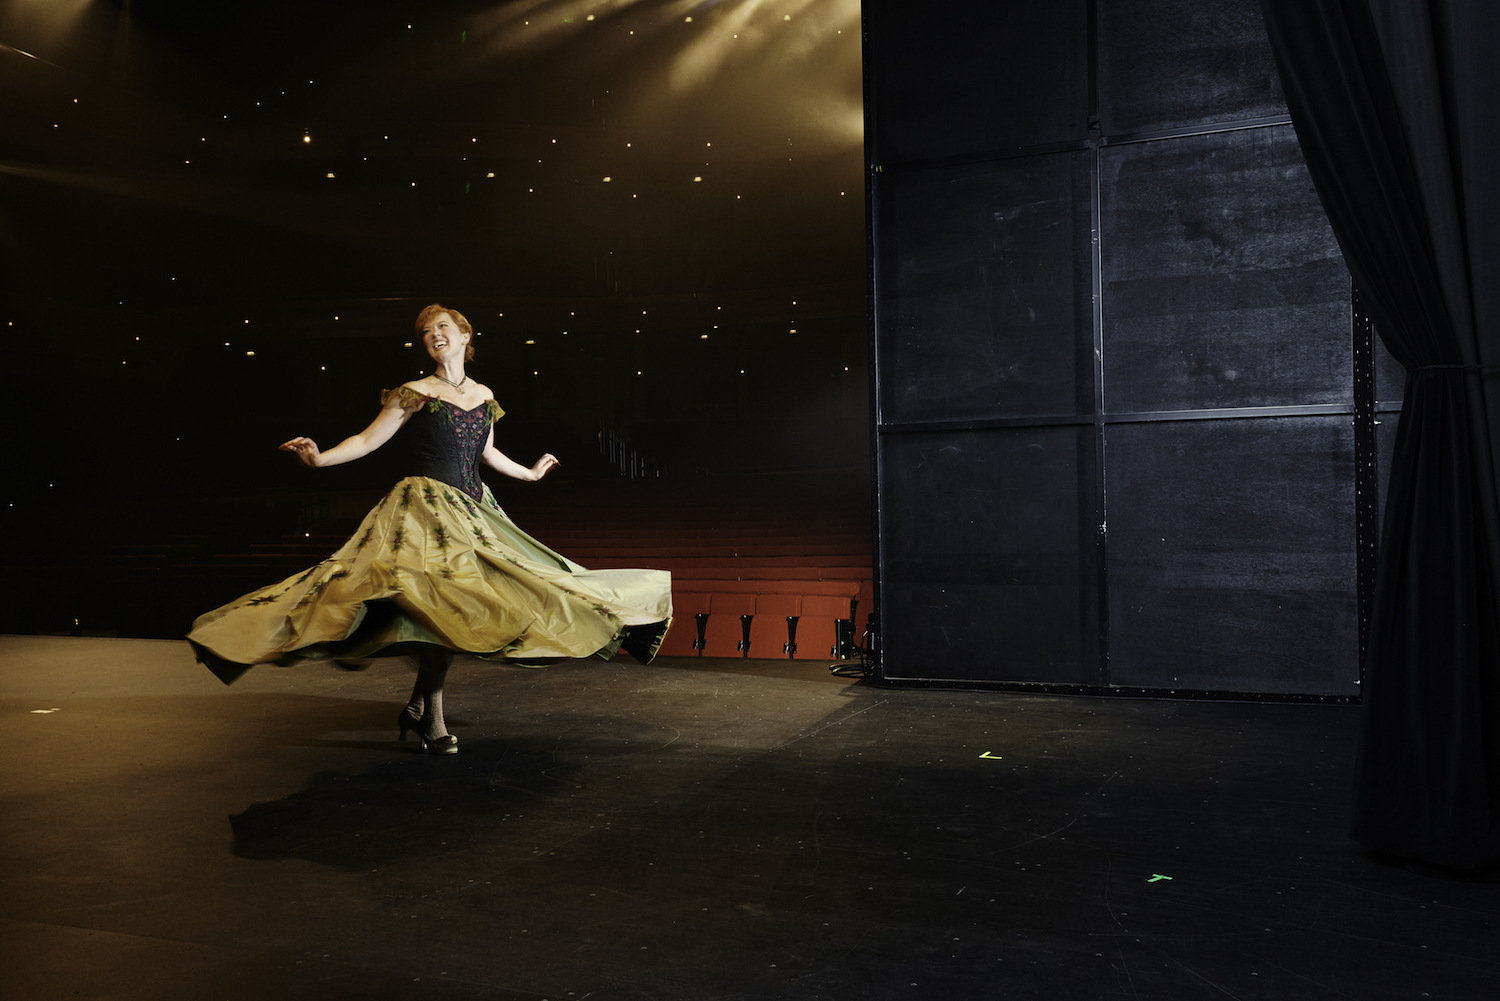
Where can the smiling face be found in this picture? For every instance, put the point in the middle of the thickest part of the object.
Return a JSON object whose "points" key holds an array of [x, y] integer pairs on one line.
{"points": [[443, 338], [446, 333]]}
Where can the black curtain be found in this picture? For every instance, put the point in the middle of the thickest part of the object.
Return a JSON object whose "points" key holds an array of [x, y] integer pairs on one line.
{"points": [[1395, 105]]}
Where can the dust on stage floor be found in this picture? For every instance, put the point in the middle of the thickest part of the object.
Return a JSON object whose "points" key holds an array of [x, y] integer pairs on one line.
{"points": [[697, 829]]}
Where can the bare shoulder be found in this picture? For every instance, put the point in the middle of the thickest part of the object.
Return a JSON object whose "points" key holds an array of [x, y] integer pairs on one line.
{"points": [[407, 396], [484, 391]]}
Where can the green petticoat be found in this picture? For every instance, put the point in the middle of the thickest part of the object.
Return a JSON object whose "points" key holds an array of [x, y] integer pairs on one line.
{"points": [[431, 567]]}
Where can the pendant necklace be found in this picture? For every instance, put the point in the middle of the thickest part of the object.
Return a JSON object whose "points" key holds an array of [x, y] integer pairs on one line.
{"points": [[459, 385]]}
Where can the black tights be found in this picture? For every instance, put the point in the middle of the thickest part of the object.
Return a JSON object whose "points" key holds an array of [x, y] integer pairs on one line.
{"points": [[427, 694]]}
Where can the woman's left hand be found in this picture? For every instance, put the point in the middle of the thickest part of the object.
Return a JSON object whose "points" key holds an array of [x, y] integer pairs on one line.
{"points": [[544, 466]]}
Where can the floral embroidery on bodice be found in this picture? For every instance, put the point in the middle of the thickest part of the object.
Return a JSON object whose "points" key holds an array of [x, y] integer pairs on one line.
{"points": [[445, 439]]}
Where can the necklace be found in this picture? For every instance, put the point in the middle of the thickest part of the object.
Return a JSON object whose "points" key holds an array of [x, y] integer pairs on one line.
{"points": [[459, 385]]}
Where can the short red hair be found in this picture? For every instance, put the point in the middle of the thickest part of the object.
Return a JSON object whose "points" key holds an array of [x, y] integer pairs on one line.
{"points": [[431, 312]]}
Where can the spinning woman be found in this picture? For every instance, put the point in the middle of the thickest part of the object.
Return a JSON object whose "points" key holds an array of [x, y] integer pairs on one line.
{"points": [[437, 567]]}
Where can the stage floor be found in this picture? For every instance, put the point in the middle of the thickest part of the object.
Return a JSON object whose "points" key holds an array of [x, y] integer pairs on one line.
{"points": [[695, 830]]}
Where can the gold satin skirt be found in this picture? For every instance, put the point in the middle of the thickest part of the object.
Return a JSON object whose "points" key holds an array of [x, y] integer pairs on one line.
{"points": [[430, 566]]}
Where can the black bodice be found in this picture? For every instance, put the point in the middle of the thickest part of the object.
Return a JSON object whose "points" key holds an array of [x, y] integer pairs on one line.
{"points": [[445, 443]]}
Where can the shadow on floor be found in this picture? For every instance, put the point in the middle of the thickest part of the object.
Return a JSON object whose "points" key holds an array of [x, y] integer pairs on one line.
{"points": [[409, 807]]}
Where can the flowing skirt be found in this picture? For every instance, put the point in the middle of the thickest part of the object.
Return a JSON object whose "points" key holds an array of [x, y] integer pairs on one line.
{"points": [[432, 566]]}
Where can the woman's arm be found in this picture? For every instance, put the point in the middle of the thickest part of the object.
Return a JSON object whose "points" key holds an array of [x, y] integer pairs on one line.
{"points": [[502, 463], [385, 424]]}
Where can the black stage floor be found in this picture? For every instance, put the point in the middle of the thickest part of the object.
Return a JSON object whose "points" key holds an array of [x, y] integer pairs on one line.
{"points": [[689, 831]]}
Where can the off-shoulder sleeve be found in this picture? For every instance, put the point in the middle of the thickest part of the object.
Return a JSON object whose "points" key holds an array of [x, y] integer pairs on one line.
{"points": [[495, 410], [406, 397]]}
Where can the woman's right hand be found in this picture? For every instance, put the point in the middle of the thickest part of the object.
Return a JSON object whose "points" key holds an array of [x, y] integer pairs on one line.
{"points": [[306, 451]]}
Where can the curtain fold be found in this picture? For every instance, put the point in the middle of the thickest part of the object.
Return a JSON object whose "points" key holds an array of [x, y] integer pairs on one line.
{"points": [[1393, 104]]}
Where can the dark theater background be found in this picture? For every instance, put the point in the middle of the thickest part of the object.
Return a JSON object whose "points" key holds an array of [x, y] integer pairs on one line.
{"points": [[990, 377], [220, 221]]}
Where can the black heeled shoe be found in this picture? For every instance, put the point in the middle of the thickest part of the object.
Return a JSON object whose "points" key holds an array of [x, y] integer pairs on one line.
{"points": [[406, 720], [446, 744]]}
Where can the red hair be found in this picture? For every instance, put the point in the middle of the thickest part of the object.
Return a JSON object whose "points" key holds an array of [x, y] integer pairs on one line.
{"points": [[431, 312]]}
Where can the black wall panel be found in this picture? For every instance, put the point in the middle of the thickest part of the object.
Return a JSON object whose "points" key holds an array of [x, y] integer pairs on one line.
{"points": [[968, 76], [1390, 376], [1231, 555], [1166, 64], [989, 554], [1115, 391], [985, 281], [1386, 425], [1223, 284]]}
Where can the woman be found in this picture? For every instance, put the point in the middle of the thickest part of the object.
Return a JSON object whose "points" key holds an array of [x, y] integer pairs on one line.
{"points": [[437, 567]]}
